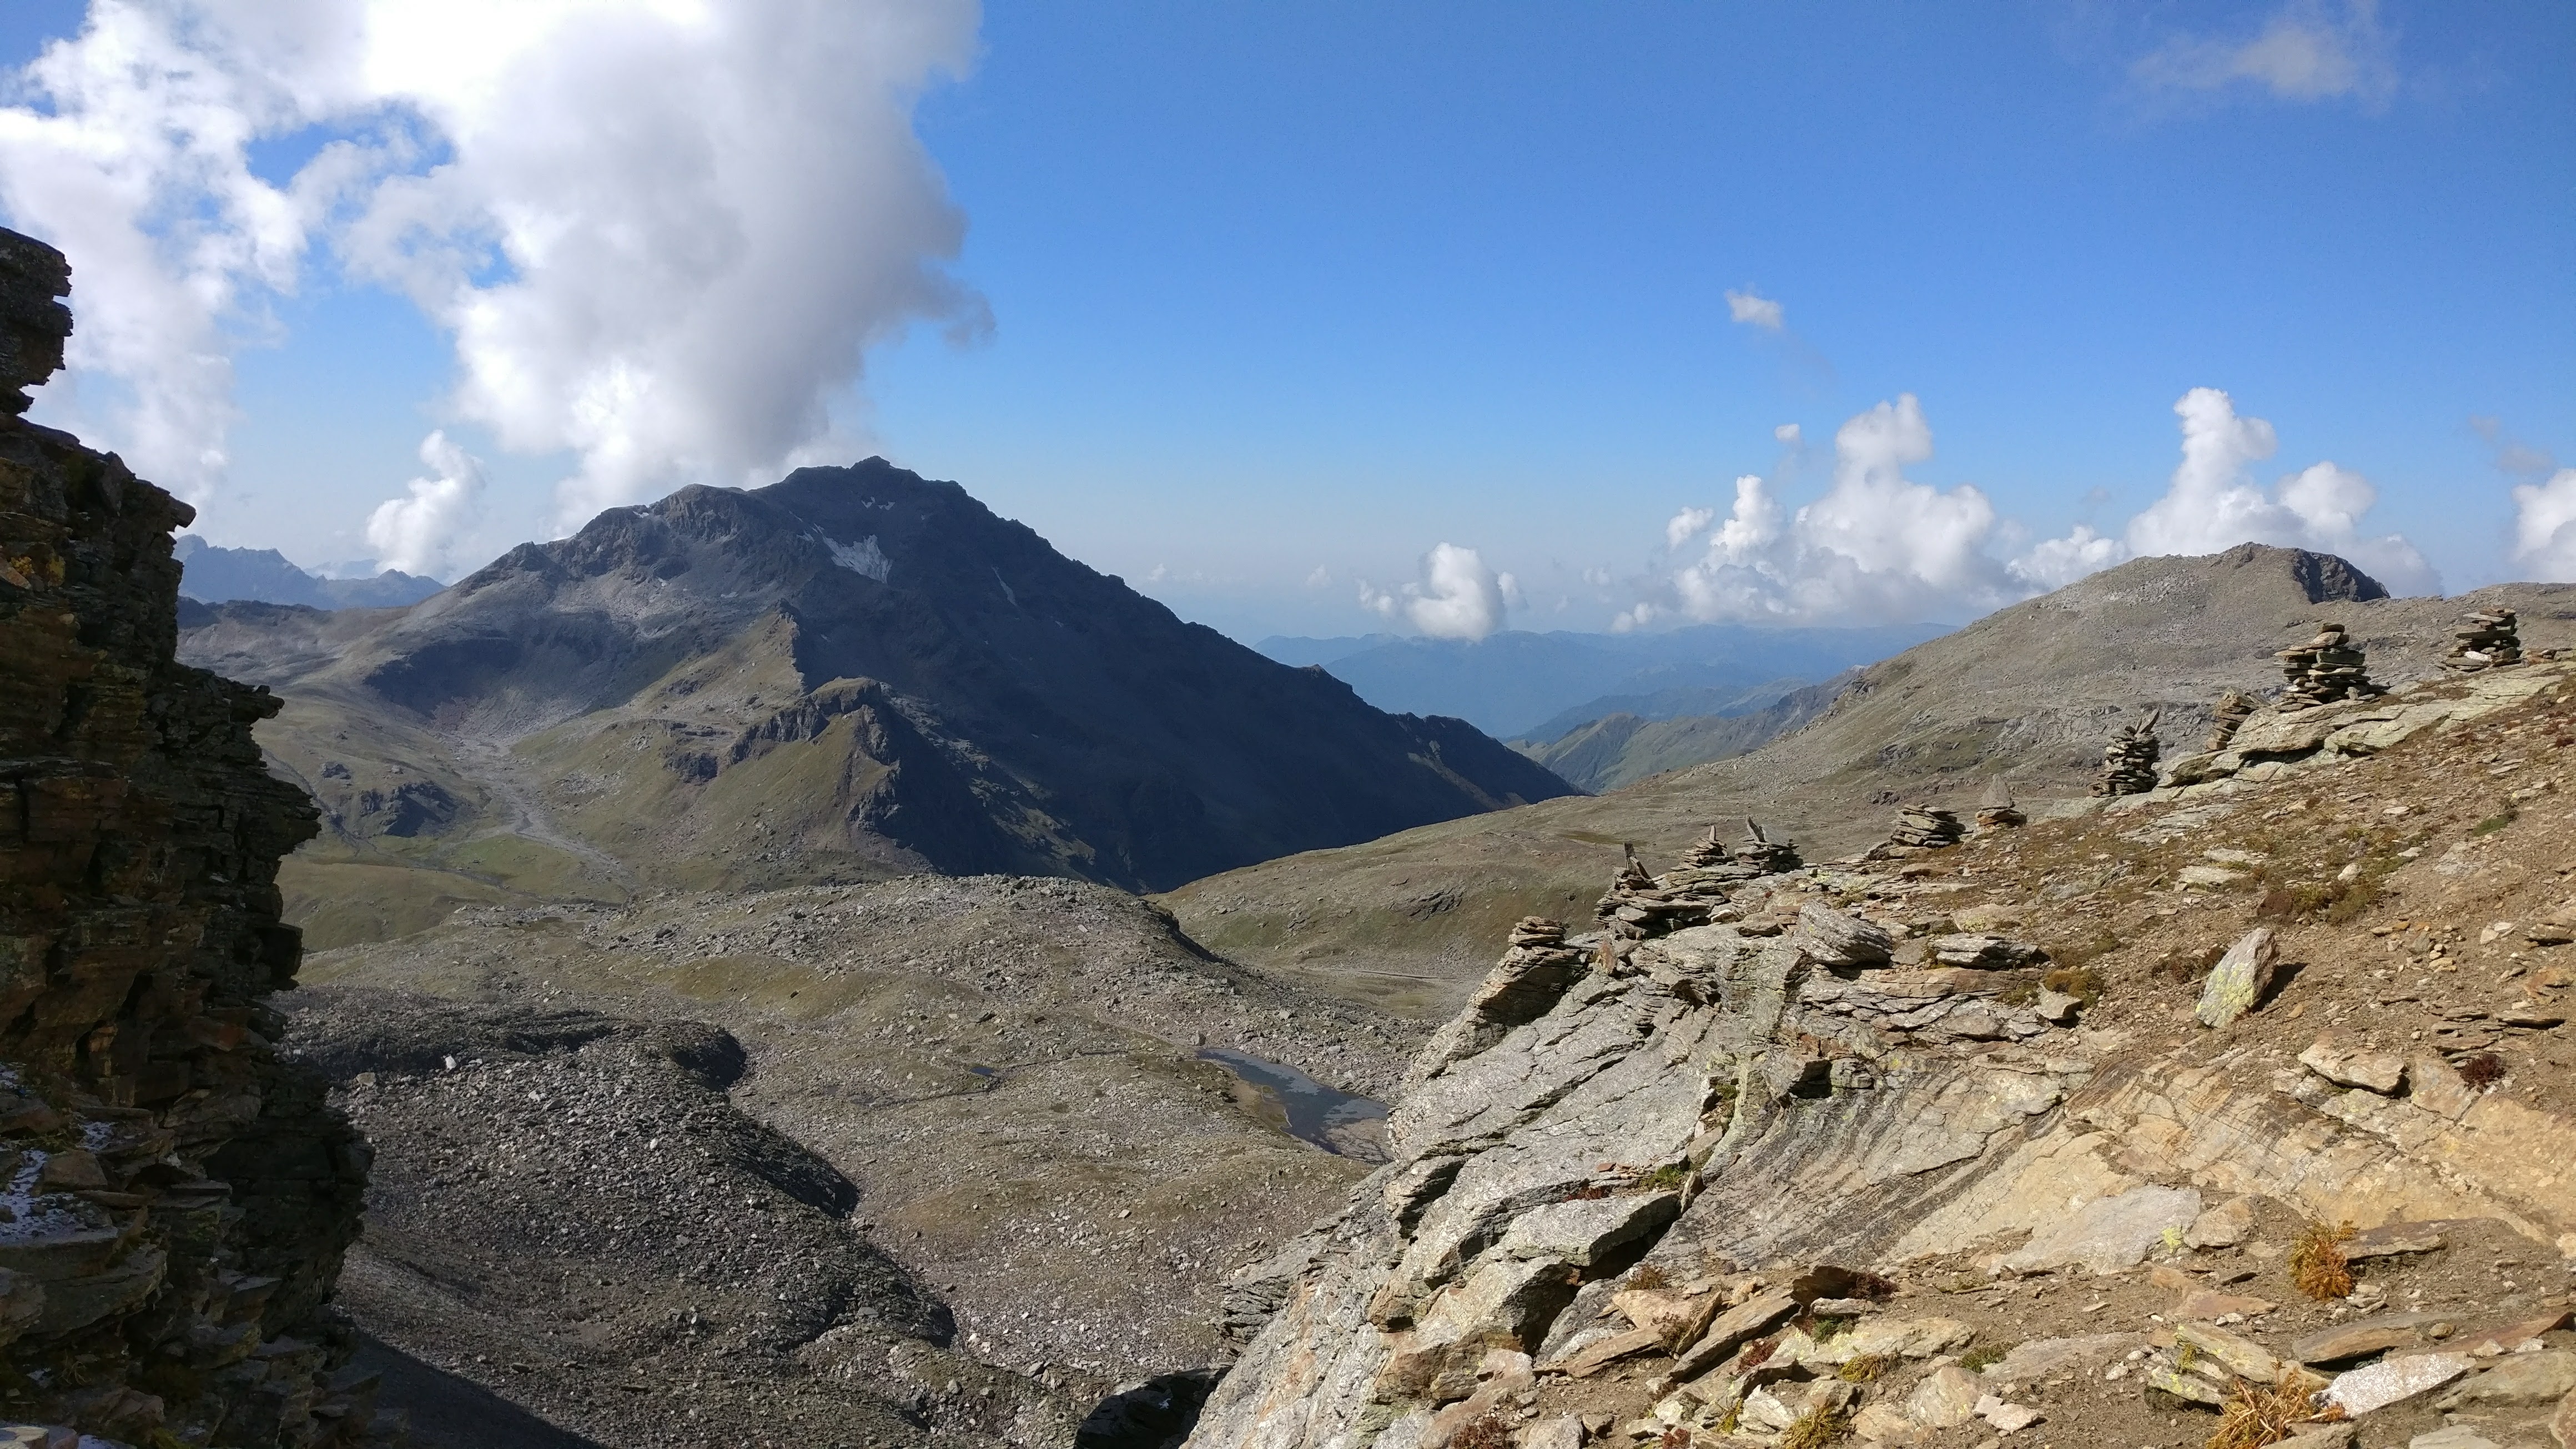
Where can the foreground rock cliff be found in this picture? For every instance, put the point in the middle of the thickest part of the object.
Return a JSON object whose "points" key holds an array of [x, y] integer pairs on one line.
{"points": [[2238, 1103], [177, 1197]]}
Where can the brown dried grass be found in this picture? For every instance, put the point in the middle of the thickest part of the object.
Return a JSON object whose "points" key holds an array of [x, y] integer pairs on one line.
{"points": [[2256, 1415], [2318, 1267]]}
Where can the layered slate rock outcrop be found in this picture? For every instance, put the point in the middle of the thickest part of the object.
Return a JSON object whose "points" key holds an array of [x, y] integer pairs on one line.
{"points": [[177, 1196]]}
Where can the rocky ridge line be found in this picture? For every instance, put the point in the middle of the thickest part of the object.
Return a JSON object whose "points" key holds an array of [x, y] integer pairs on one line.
{"points": [[177, 1197]]}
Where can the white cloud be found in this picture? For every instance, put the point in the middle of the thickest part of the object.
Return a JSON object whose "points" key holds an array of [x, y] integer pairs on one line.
{"points": [[2310, 50], [1879, 546], [660, 233], [2544, 527], [2214, 503], [1686, 525], [1320, 578], [1458, 597], [1876, 546], [1754, 310], [423, 533], [1788, 435]]}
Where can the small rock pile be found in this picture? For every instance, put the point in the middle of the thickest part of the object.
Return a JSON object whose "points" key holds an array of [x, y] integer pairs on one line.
{"points": [[1920, 827], [1639, 906], [2487, 639], [1996, 811], [2129, 761], [2324, 670], [1538, 931], [1761, 852], [2227, 717]]}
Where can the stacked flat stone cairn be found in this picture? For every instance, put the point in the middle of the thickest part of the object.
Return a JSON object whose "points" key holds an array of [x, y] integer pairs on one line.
{"points": [[2324, 670], [2487, 639], [1761, 852], [2129, 761], [1996, 810], [1640, 906], [1920, 827], [2227, 717]]}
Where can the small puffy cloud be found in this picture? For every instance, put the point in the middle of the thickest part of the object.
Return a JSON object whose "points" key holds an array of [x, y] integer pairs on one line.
{"points": [[1458, 597], [422, 533], [2544, 527], [1876, 546], [1322, 577], [1788, 435], [1754, 310], [1686, 525], [2309, 50]]}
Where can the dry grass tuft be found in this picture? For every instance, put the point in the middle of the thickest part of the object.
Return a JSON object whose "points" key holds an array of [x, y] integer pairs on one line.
{"points": [[1489, 1432], [2481, 1070], [1982, 1357], [2318, 1267], [1647, 1275], [2255, 1416], [1865, 1369], [1815, 1429], [1676, 1437], [2081, 982]]}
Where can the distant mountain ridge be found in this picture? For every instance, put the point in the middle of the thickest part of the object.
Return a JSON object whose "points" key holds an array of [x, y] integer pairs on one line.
{"points": [[1621, 748], [1507, 684], [852, 673], [213, 575]]}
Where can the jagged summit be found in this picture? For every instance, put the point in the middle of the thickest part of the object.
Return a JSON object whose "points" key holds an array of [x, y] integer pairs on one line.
{"points": [[851, 672]]}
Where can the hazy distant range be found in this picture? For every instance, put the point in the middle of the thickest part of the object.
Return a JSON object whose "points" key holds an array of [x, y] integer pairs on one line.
{"points": [[1538, 687], [212, 575]]}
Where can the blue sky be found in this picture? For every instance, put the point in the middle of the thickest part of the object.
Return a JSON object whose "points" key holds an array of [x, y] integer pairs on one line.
{"points": [[1283, 296]]}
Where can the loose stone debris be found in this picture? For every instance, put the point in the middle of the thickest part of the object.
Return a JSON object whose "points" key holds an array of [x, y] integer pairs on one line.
{"points": [[1920, 827]]}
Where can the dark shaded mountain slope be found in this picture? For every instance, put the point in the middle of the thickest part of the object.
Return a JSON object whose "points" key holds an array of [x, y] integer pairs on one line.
{"points": [[852, 672]]}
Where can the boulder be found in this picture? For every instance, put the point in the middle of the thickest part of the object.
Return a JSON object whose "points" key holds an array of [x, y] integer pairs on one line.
{"points": [[2346, 1342], [1583, 1231], [2347, 1065], [1830, 937], [2237, 983], [2223, 1226], [1946, 1399], [2519, 1380], [2393, 1381]]}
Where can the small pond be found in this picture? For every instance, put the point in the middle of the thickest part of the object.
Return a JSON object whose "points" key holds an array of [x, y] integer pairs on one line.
{"points": [[1333, 1120]]}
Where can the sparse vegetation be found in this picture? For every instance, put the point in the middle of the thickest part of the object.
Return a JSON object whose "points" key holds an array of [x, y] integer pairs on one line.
{"points": [[1815, 1429], [1865, 1369], [2256, 1415], [2492, 824], [1666, 1178], [2081, 982], [1647, 1276], [1984, 1356], [1491, 1432], [2318, 1266]]}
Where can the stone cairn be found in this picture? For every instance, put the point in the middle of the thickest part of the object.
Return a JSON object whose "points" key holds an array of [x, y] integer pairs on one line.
{"points": [[2129, 761], [1996, 810], [1920, 827], [2487, 639], [1639, 905], [2324, 670], [1761, 852], [2228, 716]]}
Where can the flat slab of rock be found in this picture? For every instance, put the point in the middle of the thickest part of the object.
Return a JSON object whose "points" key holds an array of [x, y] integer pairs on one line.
{"points": [[2223, 1226], [2393, 1239], [2455, 1436], [1747, 1320], [2518, 1381], [2346, 1065], [2237, 983], [2350, 1341], [2208, 1304], [2039, 1357], [1599, 1354], [2394, 1381], [2562, 1424], [2242, 1356], [1583, 1231], [1830, 937], [2111, 1233], [2506, 1338]]}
